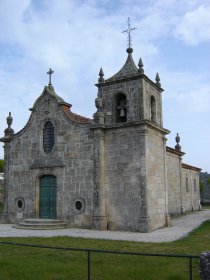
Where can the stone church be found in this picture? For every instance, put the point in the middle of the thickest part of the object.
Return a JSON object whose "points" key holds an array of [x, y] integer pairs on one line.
{"points": [[112, 172]]}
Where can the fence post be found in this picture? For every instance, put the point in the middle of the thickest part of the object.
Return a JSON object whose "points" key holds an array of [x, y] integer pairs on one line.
{"points": [[88, 264], [190, 267], [205, 265]]}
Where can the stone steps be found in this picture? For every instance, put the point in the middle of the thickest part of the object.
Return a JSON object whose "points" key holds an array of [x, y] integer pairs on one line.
{"points": [[40, 224]]}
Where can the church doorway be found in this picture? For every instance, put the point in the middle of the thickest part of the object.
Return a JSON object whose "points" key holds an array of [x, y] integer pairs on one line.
{"points": [[47, 200]]}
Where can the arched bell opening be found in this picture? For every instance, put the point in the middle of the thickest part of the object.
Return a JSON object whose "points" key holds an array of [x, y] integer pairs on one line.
{"points": [[121, 108], [153, 109]]}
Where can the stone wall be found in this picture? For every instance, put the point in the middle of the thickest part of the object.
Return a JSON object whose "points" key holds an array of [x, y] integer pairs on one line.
{"points": [[174, 177], [156, 181], [183, 184], [125, 179], [190, 187]]}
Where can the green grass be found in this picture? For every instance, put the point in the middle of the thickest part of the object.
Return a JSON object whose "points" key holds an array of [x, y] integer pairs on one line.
{"points": [[23, 263], [205, 207]]}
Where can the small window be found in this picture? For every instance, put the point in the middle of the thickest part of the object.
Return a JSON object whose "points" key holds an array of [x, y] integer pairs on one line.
{"points": [[48, 137], [78, 205], [195, 184], [187, 184], [153, 109], [19, 204]]}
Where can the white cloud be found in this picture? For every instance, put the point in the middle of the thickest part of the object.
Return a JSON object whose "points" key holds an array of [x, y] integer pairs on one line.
{"points": [[11, 16], [189, 90], [197, 101], [76, 38], [194, 27]]}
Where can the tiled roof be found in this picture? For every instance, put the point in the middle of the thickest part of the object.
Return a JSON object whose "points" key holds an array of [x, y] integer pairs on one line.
{"points": [[187, 166], [74, 117]]}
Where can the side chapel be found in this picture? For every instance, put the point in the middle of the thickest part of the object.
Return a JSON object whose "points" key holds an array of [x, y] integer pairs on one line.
{"points": [[112, 172]]}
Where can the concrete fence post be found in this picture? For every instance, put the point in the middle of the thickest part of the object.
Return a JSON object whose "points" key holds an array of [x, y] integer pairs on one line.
{"points": [[205, 265]]}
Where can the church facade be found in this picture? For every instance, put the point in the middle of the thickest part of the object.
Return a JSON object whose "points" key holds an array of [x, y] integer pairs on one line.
{"points": [[112, 172]]}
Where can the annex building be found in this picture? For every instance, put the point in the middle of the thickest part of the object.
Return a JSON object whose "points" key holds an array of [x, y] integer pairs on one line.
{"points": [[112, 172]]}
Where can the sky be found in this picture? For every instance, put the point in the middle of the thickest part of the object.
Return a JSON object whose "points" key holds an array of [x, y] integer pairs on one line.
{"points": [[76, 38]]}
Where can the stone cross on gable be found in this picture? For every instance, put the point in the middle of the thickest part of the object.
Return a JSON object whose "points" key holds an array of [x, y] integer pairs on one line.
{"points": [[129, 32], [50, 72]]}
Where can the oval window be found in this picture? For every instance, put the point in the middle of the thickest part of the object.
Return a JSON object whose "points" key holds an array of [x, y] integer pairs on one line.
{"points": [[78, 205]]}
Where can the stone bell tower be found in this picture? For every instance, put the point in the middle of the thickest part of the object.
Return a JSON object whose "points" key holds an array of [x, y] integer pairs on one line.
{"points": [[129, 96], [129, 116]]}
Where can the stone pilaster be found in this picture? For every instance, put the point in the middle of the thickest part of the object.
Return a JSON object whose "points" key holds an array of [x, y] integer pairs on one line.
{"points": [[4, 216], [8, 136], [167, 215], [99, 221]]}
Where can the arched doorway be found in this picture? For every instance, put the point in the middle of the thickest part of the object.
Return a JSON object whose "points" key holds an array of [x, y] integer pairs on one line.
{"points": [[47, 199]]}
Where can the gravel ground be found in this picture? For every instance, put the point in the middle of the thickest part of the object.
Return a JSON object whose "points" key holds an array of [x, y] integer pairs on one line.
{"points": [[180, 227]]}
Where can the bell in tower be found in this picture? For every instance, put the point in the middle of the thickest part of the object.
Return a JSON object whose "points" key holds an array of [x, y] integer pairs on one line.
{"points": [[121, 114]]}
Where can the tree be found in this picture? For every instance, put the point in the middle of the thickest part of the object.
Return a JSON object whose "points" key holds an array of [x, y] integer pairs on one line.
{"points": [[1, 165], [201, 190]]}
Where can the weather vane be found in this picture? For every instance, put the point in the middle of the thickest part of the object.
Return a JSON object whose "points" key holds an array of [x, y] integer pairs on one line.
{"points": [[50, 72], [129, 32]]}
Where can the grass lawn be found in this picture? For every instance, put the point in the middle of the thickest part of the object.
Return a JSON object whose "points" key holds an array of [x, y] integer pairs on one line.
{"points": [[206, 207], [22, 263]]}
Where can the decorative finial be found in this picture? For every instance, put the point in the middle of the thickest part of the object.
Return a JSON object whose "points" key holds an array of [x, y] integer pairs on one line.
{"points": [[157, 79], [9, 120], [101, 76], [141, 66], [50, 72], [177, 138], [9, 131], [129, 35]]}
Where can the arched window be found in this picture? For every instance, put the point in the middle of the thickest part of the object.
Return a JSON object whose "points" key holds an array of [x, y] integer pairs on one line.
{"points": [[48, 137], [121, 108], [153, 109], [187, 184]]}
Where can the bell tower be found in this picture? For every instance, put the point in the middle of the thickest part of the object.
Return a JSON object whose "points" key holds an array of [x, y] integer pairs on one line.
{"points": [[128, 131], [129, 96]]}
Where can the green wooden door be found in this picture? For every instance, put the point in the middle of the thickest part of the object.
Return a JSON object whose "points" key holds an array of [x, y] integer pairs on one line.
{"points": [[47, 208]]}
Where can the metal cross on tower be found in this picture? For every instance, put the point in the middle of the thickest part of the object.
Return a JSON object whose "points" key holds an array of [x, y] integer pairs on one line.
{"points": [[129, 32], [50, 72]]}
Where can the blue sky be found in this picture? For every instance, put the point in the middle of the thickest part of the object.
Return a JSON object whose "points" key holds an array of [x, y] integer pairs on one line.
{"points": [[75, 38]]}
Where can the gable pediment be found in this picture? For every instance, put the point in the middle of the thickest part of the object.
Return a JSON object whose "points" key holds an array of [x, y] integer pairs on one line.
{"points": [[48, 95]]}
